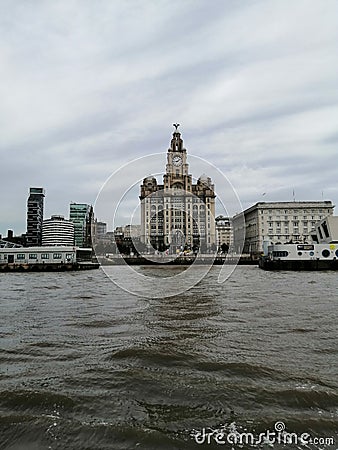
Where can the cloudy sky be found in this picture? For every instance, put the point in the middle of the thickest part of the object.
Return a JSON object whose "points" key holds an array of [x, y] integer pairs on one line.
{"points": [[88, 86]]}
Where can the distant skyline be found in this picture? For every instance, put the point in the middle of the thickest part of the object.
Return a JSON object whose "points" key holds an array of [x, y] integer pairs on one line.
{"points": [[86, 87]]}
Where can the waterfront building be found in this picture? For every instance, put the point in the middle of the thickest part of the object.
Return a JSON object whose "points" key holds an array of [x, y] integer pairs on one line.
{"points": [[132, 231], [269, 223], [82, 215], [57, 231], [4, 243], [42, 256], [118, 233], [100, 229], [127, 239], [326, 231], [35, 205], [224, 234], [178, 213], [11, 239]]}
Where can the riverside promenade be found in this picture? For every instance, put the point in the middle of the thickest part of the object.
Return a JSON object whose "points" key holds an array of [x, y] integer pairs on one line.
{"points": [[153, 260]]}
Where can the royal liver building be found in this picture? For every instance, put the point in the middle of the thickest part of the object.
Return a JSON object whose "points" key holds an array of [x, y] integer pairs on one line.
{"points": [[178, 214]]}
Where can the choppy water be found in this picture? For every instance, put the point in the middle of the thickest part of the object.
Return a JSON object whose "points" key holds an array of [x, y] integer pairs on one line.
{"points": [[85, 365]]}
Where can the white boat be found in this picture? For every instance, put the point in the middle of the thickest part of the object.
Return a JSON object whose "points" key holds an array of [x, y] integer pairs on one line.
{"points": [[45, 258], [321, 254], [300, 257]]}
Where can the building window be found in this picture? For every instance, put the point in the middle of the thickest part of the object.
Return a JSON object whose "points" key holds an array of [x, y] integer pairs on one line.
{"points": [[44, 255], [20, 256], [280, 254], [57, 256], [33, 256]]}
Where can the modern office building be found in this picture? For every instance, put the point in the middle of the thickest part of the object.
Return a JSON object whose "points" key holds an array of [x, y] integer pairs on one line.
{"points": [[82, 216], [279, 222], [57, 231], [35, 205], [100, 229], [132, 231], [224, 234], [178, 213]]}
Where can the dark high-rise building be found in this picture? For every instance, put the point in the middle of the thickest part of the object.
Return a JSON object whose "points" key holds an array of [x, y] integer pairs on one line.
{"points": [[35, 216]]}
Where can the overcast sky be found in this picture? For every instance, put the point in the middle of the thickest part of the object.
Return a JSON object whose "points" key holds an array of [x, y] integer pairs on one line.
{"points": [[88, 86]]}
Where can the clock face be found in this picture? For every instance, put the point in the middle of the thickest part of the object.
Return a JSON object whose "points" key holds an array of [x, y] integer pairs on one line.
{"points": [[177, 161]]}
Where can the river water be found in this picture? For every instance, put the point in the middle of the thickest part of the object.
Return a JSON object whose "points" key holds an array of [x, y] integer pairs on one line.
{"points": [[87, 365]]}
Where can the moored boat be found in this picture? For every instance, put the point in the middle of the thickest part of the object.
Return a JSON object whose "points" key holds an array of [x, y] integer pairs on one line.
{"points": [[300, 257], [51, 258]]}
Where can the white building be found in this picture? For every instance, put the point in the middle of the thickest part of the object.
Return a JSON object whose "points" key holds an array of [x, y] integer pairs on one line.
{"points": [[278, 222], [326, 231], [57, 231], [38, 255], [178, 213], [224, 234], [46, 257], [99, 229], [132, 231]]}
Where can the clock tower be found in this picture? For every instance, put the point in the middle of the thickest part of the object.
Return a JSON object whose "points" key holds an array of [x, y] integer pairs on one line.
{"points": [[178, 214], [177, 168]]}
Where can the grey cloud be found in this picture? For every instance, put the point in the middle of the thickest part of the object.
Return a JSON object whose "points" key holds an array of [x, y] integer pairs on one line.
{"points": [[86, 88]]}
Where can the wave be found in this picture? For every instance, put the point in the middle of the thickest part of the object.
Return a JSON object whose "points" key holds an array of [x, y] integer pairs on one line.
{"points": [[240, 369], [27, 399]]}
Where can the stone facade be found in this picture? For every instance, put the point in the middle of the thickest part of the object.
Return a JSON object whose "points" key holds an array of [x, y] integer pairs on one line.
{"points": [[278, 222], [178, 214]]}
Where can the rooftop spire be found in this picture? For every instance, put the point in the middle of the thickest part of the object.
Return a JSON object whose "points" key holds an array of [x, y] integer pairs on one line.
{"points": [[176, 141]]}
